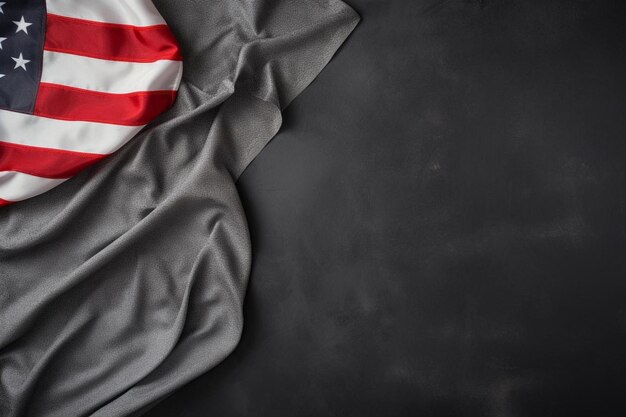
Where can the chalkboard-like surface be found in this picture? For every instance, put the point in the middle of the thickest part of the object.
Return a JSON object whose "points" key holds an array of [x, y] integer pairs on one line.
{"points": [[440, 227]]}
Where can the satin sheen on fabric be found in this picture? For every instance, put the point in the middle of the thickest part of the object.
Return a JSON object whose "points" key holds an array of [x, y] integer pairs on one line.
{"points": [[127, 281], [105, 70]]}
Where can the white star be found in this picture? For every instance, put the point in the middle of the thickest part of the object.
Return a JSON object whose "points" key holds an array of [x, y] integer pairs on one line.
{"points": [[2, 3], [2, 40], [20, 62], [22, 25], [1, 75]]}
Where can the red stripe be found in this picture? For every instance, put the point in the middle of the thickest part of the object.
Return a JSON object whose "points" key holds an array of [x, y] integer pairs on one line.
{"points": [[44, 162], [5, 202], [133, 109], [110, 41]]}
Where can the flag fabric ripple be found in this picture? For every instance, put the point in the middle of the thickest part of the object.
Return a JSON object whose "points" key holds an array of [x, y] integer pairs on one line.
{"points": [[78, 79]]}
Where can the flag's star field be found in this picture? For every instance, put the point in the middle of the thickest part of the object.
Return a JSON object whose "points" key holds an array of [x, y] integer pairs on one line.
{"points": [[22, 25]]}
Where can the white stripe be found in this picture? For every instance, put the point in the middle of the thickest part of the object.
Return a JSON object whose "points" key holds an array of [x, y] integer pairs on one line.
{"points": [[16, 186], [88, 137], [110, 76], [127, 12]]}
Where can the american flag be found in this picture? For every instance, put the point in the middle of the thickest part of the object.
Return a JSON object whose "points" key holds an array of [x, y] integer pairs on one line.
{"points": [[78, 79]]}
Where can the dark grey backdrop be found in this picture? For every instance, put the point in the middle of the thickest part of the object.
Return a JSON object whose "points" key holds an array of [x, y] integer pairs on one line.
{"points": [[440, 227]]}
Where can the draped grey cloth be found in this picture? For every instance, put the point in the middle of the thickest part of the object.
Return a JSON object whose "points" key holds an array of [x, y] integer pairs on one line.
{"points": [[127, 281]]}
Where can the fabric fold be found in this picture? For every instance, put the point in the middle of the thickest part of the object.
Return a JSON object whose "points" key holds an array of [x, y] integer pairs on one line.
{"points": [[127, 281]]}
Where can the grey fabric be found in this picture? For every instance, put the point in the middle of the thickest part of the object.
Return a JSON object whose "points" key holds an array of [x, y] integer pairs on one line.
{"points": [[127, 281]]}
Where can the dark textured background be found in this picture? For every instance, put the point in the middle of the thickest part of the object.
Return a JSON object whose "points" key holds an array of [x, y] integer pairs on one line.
{"points": [[440, 227]]}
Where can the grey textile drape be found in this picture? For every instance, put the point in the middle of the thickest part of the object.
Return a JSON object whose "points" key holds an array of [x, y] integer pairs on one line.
{"points": [[127, 281]]}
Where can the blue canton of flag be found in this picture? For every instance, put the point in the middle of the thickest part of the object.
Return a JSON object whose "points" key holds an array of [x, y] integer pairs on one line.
{"points": [[21, 50]]}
